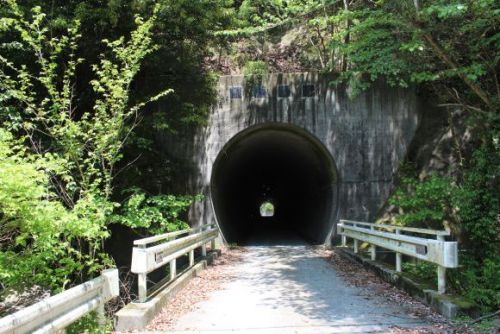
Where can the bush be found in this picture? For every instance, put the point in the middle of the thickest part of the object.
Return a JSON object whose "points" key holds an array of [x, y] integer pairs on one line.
{"points": [[154, 214], [57, 168], [425, 204], [256, 68], [471, 208], [36, 230], [423, 270]]}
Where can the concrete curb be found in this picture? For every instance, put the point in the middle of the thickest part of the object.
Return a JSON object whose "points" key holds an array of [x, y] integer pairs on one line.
{"points": [[136, 316], [448, 306]]}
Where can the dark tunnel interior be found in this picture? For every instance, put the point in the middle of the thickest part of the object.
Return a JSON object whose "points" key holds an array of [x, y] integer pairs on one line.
{"points": [[281, 165]]}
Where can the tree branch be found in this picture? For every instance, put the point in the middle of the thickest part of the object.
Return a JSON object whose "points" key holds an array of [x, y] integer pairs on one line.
{"points": [[439, 51]]}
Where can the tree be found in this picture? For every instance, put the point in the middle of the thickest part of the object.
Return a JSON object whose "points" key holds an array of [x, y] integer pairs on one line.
{"points": [[59, 170]]}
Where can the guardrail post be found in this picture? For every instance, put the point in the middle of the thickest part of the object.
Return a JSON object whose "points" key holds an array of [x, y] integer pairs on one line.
{"points": [[204, 246], [344, 241], [440, 252], [399, 257], [191, 258], [204, 250], [173, 269], [373, 249], [373, 252], [212, 245], [441, 272], [143, 290], [142, 281], [101, 315], [166, 253], [356, 246]]}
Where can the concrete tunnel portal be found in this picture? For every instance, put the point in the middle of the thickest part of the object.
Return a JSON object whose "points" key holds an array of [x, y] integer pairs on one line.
{"points": [[274, 184]]}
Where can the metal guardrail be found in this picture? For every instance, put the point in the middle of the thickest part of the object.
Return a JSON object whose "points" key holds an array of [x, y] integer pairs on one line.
{"points": [[438, 251], [166, 251], [59, 311]]}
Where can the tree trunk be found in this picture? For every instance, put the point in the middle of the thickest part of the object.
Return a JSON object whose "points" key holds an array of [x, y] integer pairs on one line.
{"points": [[347, 38], [439, 51]]}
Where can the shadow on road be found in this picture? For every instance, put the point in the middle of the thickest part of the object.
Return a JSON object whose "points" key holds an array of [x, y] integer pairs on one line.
{"points": [[291, 287]]}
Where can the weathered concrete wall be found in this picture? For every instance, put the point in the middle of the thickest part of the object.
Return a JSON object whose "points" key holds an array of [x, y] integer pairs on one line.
{"points": [[367, 136]]}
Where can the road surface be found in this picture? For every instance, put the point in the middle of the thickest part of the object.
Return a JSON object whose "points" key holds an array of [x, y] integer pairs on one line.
{"points": [[290, 289]]}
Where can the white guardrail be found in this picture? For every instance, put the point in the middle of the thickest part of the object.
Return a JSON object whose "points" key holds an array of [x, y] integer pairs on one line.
{"points": [[59, 311], [438, 251], [146, 258]]}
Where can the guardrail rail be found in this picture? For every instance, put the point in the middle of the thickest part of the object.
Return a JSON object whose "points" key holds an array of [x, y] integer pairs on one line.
{"points": [[438, 251], [167, 247], [61, 310]]}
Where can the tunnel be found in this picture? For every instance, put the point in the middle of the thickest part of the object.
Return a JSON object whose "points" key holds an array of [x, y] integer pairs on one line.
{"points": [[274, 184]]}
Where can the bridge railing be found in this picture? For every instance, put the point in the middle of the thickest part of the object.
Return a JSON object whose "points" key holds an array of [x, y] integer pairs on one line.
{"points": [[391, 237], [157, 251], [59, 311]]}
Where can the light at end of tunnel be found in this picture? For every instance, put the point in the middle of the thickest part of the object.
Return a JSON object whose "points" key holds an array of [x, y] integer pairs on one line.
{"points": [[267, 209]]}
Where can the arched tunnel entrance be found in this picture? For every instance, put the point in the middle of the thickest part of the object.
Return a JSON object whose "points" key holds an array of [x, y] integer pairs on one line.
{"points": [[274, 184]]}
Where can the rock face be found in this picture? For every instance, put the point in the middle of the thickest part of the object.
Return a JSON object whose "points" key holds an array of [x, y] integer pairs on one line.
{"points": [[366, 137]]}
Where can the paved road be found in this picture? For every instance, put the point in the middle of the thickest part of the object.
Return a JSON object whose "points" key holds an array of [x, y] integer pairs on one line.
{"points": [[289, 289]]}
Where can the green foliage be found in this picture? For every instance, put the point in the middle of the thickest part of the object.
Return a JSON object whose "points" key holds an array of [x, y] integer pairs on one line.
{"points": [[154, 214], [72, 97], [425, 271], [447, 43], [263, 21], [262, 12], [184, 31], [374, 51], [257, 68], [478, 204], [89, 324], [425, 203], [478, 280], [267, 206], [252, 15], [267, 209], [183, 34], [486, 325], [37, 230], [88, 147], [58, 160], [450, 48], [254, 71], [471, 209]]}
